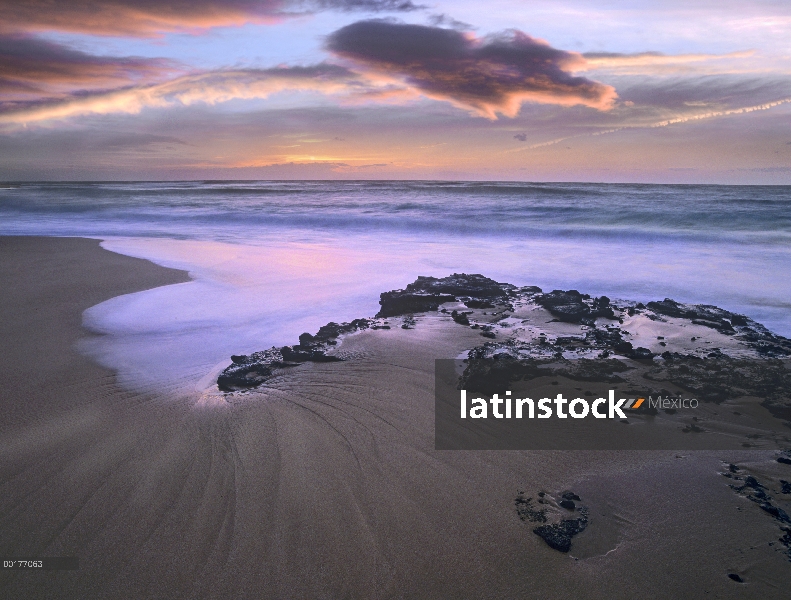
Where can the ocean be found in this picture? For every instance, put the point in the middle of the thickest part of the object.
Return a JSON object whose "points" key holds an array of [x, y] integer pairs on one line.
{"points": [[271, 260]]}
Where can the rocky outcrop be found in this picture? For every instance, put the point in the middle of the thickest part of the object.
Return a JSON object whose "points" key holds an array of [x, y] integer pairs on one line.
{"points": [[743, 328], [427, 293], [715, 380], [249, 371], [559, 533], [572, 307]]}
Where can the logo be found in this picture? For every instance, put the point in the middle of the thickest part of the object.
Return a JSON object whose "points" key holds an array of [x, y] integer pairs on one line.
{"points": [[562, 408]]}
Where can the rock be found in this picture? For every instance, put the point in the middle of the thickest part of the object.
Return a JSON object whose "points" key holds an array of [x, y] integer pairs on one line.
{"points": [[427, 293], [784, 460], [460, 318], [671, 308], [735, 577], [300, 353], [567, 504], [753, 334], [249, 371], [571, 495], [714, 377], [641, 354], [566, 306], [527, 512], [602, 308], [478, 304], [402, 303], [530, 289], [776, 512], [558, 536]]}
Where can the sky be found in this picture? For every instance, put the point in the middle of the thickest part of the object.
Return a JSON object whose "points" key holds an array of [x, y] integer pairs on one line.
{"points": [[548, 90]]}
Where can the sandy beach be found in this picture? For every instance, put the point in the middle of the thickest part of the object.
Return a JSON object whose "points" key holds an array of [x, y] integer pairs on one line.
{"points": [[324, 482]]}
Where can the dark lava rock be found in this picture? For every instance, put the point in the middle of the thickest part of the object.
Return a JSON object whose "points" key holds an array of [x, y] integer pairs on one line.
{"points": [[567, 504], [460, 318], [488, 376], [249, 371], [478, 304], [558, 535], [300, 353], [717, 379], [427, 293], [570, 496], [572, 307], [786, 487], [641, 354], [784, 460], [776, 512], [243, 375], [602, 308], [527, 512], [751, 333], [671, 308], [530, 290], [735, 577], [752, 482], [400, 302]]}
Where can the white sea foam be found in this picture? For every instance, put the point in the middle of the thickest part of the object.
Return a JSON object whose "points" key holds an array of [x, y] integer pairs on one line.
{"points": [[271, 260]]}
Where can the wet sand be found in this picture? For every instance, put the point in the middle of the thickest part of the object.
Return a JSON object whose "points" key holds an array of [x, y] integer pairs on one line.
{"points": [[324, 482]]}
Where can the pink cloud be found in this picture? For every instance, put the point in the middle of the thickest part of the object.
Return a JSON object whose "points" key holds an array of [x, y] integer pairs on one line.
{"points": [[488, 75]]}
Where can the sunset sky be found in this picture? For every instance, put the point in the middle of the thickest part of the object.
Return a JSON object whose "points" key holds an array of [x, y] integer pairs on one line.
{"points": [[547, 90]]}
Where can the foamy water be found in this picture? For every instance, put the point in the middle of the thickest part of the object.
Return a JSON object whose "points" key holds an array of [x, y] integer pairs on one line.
{"points": [[271, 260]]}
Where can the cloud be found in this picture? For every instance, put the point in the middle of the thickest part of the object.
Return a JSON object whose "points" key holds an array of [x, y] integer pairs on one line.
{"points": [[487, 75], [695, 94], [522, 137], [692, 117], [361, 5], [440, 20], [658, 63], [34, 68], [211, 87], [596, 60], [135, 141], [153, 17]]}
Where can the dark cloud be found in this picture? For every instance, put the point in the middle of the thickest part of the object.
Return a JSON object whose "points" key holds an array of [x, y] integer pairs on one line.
{"points": [[152, 17], [363, 5], [443, 20], [522, 137], [32, 66], [489, 75]]}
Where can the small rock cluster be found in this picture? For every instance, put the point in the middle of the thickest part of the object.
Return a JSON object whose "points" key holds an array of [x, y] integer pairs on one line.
{"points": [[249, 371], [558, 528], [749, 487]]}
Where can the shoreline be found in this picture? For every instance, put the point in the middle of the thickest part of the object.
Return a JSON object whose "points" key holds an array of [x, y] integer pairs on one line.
{"points": [[325, 480], [48, 282]]}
